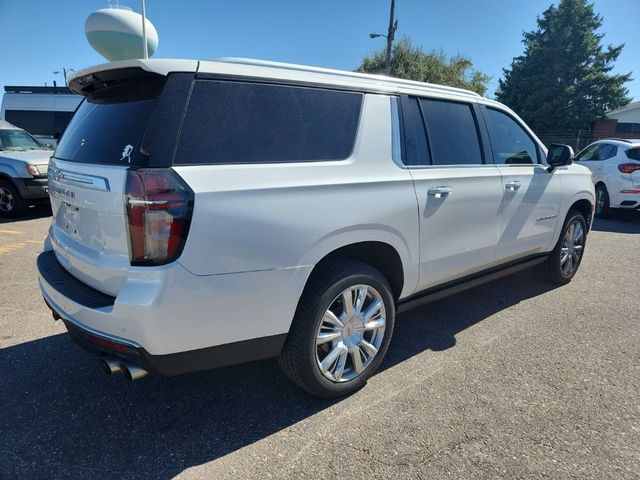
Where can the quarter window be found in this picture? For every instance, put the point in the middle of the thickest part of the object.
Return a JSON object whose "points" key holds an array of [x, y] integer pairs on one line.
{"points": [[242, 122], [511, 143], [452, 132]]}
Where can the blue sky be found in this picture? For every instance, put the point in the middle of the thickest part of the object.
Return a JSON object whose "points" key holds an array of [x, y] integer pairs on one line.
{"points": [[39, 37]]}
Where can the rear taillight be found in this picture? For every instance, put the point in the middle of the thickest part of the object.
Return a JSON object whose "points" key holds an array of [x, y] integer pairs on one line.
{"points": [[629, 167], [159, 207]]}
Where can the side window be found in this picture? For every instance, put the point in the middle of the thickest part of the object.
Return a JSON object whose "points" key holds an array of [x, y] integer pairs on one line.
{"points": [[452, 132], [243, 122], [607, 151], [416, 148], [589, 153], [511, 143]]}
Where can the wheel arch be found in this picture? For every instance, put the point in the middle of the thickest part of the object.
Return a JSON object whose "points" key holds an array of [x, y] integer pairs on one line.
{"points": [[380, 255], [585, 207], [5, 176]]}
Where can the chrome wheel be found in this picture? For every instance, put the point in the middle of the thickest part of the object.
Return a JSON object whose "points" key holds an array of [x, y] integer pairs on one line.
{"points": [[572, 247], [7, 201], [350, 333]]}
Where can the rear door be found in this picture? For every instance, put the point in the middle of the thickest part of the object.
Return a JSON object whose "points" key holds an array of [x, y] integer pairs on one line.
{"points": [[459, 194], [531, 195], [87, 177], [590, 158]]}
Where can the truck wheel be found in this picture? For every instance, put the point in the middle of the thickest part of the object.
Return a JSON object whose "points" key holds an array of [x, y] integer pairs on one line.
{"points": [[11, 202], [564, 260], [341, 329], [603, 208]]}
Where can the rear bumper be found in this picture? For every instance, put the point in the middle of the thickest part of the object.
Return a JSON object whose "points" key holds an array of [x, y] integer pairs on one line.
{"points": [[627, 199], [169, 327], [102, 344], [32, 188]]}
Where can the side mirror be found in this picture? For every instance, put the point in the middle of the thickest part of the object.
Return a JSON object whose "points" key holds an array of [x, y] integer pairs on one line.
{"points": [[559, 155]]}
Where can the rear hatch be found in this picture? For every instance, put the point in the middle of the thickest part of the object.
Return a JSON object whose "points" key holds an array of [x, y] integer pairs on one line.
{"points": [[89, 170]]}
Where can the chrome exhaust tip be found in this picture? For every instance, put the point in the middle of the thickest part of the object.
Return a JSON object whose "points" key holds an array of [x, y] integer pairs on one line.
{"points": [[111, 365], [133, 372]]}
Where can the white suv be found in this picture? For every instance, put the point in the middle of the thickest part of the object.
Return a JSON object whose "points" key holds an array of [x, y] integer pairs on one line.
{"points": [[615, 166], [211, 213]]}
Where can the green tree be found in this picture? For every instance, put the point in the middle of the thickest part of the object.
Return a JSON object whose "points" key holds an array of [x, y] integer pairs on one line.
{"points": [[563, 80], [413, 63]]}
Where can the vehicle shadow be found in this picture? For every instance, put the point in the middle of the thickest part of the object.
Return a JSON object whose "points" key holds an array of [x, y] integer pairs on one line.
{"points": [[37, 210], [619, 222], [60, 416]]}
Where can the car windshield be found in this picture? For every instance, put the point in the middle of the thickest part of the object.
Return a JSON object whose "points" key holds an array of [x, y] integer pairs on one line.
{"points": [[18, 140]]}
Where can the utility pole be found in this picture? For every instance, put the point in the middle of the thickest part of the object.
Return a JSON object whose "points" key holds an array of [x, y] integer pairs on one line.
{"points": [[64, 72], [393, 25], [145, 52]]}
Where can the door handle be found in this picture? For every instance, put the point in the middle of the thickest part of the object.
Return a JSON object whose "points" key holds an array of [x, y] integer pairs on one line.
{"points": [[439, 192], [512, 186]]}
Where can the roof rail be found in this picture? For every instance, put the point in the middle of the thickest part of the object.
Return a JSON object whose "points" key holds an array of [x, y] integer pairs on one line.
{"points": [[343, 73], [626, 140]]}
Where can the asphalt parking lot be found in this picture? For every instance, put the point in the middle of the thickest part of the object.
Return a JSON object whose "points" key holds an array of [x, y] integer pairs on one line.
{"points": [[513, 379]]}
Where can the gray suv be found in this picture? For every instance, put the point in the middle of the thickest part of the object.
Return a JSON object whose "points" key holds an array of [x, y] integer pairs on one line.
{"points": [[23, 170]]}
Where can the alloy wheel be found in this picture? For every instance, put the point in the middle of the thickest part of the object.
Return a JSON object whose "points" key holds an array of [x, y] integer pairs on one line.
{"points": [[572, 247], [600, 199], [7, 201], [350, 333]]}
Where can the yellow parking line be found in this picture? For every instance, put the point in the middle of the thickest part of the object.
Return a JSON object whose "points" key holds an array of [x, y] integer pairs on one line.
{"points": [[11, 232], [11, 247], [34, 241]]}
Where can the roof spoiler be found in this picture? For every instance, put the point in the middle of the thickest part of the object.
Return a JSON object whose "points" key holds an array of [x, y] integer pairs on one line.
{"points": [[121, 85]]}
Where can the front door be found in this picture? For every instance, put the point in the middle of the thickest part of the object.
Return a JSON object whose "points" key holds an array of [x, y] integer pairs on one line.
{"points": [[531, 194]]}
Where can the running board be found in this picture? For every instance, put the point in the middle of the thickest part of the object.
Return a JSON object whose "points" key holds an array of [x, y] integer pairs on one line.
{"points": [[465, 283]]}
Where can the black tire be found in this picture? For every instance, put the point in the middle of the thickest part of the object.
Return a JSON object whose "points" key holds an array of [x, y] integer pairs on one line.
{"points": [[603, 207], [298, 358], [11, 202], [551, 270]]}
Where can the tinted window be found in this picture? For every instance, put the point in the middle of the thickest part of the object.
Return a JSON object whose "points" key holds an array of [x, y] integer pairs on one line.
{"points": [[36, 122], [633, 153], [451, 132], [417, 151], [511, 143], [238, 122], [607, 151], [105, 133], [61, 120]]}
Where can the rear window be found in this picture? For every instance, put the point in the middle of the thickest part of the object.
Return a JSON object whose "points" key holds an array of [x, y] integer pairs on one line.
{"points": [[634, 153], [106, 133], [241, 122]]}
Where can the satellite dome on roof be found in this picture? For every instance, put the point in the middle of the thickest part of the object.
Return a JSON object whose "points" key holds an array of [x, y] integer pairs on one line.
{"points": [[116, 33]]}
